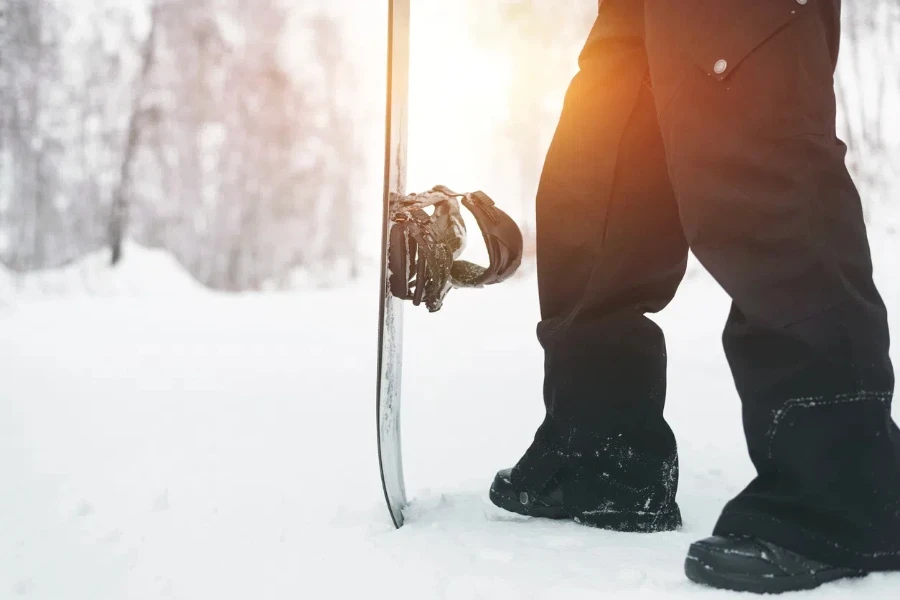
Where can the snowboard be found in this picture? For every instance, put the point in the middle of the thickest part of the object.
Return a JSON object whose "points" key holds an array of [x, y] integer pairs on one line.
{"points": [[390, 319]]}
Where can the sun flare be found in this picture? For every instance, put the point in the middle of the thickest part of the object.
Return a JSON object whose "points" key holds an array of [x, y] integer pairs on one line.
{"points": [[458, 96]]}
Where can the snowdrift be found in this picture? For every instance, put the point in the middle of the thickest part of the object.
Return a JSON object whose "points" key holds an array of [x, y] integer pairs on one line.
{"points": [[141, 272]]}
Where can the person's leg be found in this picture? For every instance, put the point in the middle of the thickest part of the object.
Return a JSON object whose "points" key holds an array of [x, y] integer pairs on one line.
{"points": [[747, 114], [610, 249]]}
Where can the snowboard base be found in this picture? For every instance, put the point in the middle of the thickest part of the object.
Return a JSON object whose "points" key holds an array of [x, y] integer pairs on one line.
{"points": [[390, 321]]}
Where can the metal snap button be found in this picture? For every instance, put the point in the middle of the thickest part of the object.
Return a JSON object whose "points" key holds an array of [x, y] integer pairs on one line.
{"points": [[720, 66], [523, 498]]}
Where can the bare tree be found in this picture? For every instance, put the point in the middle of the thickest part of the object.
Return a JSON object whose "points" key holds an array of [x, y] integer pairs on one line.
{"points": [[242, 160], [338, 132], [867, 86], [175, 123], [28, 62], [118, 218], [63, 82]]}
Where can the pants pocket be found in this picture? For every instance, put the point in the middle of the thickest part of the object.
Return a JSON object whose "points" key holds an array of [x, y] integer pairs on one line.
{"points": [[767, 62]]}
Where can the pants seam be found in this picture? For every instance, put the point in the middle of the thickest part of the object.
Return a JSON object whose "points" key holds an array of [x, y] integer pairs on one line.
{"points": [[816, 401]]}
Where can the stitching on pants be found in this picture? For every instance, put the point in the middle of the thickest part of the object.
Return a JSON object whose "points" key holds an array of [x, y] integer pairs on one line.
{"points": [[815, 401], [688, 71]]}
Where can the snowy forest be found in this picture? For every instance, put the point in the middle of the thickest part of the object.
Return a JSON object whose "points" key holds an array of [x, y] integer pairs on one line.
{"points": [[178, 124], [238, 134], [190, 217]]}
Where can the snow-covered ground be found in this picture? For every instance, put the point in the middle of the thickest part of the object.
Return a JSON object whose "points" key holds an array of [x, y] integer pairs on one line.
{"points": [[161, 441]]}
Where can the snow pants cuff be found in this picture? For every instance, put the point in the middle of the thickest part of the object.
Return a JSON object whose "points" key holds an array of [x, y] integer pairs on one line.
{"points": [[828, 484]]}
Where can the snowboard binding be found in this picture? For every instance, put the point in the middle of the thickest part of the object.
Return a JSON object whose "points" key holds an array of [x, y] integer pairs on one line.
{"points": [[424, 249]]}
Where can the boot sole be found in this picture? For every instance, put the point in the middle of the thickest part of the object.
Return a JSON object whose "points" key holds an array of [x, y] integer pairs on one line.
{"points": [[668, 520], [699, 572], [634, 522], [539, 511]]}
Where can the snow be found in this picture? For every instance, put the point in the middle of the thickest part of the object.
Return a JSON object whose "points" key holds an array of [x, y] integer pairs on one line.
{"points": [[147, 272], [196, 445]]}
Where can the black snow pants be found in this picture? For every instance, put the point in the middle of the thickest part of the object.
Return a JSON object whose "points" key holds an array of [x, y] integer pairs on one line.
{"points": [[710, 125]]}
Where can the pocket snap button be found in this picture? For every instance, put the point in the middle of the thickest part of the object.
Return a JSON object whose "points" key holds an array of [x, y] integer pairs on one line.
{"points": [[720, 66]]}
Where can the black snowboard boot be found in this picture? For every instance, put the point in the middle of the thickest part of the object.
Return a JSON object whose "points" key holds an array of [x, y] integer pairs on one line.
{"points": [[743, 564], [547, 504]]}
